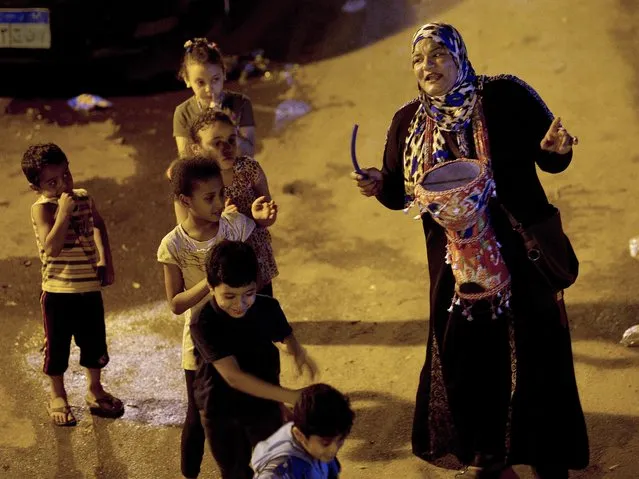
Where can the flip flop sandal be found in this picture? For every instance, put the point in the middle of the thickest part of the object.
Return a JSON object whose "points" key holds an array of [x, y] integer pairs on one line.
{"points": [[107, 406], [70, 419]]}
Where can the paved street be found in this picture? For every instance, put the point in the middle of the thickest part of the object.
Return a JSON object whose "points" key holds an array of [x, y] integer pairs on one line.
{"points": [[352, 274]]}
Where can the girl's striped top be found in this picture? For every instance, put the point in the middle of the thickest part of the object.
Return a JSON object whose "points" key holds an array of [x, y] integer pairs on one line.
{"points": [[74, 270]]}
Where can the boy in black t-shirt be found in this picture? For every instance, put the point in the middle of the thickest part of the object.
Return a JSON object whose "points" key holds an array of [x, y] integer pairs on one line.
{"points": [[237, 382]]}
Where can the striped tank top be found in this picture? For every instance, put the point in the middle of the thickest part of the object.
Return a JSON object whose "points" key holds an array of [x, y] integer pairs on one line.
{"points": [[74, 270]]}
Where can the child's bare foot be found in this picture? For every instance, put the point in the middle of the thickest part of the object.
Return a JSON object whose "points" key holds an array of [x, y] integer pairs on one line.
{"points": [[60, 412], [103, 404]]}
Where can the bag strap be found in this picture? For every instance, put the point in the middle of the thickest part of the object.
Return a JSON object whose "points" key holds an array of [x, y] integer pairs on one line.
{"points": [[517, 226]]}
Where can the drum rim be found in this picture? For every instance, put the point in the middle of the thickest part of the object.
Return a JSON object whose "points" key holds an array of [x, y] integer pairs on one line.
{"points": [[482, 170]]}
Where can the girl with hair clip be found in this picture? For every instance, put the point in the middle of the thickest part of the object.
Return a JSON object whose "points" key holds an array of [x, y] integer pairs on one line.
{"points": [[203, 71]]}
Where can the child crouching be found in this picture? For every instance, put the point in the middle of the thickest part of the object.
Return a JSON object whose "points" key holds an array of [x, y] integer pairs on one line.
{"points": [[307, 447]]}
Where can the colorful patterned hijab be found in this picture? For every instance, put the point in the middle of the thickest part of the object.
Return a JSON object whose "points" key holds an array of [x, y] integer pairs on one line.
{"points": [[451, 112]]}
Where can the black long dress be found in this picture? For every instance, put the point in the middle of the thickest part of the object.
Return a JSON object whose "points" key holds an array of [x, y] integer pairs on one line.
{"points": [[464, 403]]}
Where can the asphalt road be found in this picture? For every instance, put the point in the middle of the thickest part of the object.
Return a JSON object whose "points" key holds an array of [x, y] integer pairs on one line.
{"points": [[352, 275]]}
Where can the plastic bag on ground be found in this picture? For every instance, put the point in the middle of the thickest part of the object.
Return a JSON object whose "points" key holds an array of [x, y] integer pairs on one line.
{"points": [[631, 336], [290, 110], [633, 245], [88, 102], [352, 6]]}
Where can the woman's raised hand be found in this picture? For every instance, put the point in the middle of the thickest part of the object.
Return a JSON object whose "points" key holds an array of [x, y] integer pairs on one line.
{"points": [[370, 183], [557, 139]]}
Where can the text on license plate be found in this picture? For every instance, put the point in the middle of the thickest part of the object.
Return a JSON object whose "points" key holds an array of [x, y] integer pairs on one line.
{"points": [[25, 28]]}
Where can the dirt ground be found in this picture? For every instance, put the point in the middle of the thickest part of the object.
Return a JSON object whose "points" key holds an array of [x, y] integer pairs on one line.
{"points": [[352, 274]]}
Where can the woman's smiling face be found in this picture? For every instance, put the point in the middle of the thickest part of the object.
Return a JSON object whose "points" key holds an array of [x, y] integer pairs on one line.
{"points": [[434, 68]]}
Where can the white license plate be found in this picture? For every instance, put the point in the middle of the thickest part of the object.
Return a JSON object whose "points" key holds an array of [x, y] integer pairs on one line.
{"points": [[25, 28]]}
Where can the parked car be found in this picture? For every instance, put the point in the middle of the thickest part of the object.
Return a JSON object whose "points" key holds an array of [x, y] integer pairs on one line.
{"points": [[74, 32]]}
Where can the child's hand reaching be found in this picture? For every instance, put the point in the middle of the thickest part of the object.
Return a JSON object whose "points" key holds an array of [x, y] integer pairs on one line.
{"points": [[264, 211], [229, 208], [304, 361]]}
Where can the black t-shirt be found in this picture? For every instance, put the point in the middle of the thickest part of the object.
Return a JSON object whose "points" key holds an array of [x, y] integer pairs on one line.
{"points": [[249, 339]]}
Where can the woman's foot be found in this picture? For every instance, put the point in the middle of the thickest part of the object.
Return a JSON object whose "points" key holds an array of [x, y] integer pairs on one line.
{"points": [[60, 412]]}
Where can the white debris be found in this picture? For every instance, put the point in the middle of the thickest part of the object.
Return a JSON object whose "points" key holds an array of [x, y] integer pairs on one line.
{"points": [[290, 110], [353, 6], [633, 245], [631, 336]]}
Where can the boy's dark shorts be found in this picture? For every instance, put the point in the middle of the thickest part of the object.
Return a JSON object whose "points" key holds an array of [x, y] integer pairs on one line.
{"points": [[77, 315]]}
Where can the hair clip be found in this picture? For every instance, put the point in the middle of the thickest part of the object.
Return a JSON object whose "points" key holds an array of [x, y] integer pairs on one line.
{"points": [[188, 45], [212, 45]]}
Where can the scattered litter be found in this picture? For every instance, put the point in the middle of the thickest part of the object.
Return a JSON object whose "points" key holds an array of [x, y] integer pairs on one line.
{"points": [[47, 107], [352, 6], [290, 110], [4, 202], [614, 466], [88, 102], [631, 336], [256, 65], [288, 74], [633, 245], [136, 285], [372, 287], [27, 263], [11, 303], [32, 113], [5, 285], [124, 247]]}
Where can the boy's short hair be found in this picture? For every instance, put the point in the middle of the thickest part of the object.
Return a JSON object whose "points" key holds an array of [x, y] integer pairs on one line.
{"points": [[323, 411], [185, 172], [37, 157], [231, 262], [209, 117]]}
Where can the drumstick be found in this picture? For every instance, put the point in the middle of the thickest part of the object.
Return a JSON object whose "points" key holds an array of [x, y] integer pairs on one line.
{"points": [[358, 170]]}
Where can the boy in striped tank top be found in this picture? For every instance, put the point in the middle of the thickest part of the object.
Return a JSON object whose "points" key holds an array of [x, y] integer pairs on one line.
{"points": [[76, 262]]}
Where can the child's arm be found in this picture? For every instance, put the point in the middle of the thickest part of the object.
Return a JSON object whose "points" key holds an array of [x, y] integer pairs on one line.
{"points": [[52, 228], [264, 212], [249, 384], [266, 216], [246, 135], [179, 299], [301, 357], [101, 238]]}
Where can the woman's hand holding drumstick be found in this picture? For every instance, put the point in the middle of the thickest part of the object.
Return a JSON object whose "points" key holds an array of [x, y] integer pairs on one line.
{"points": [[370, 182]]}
